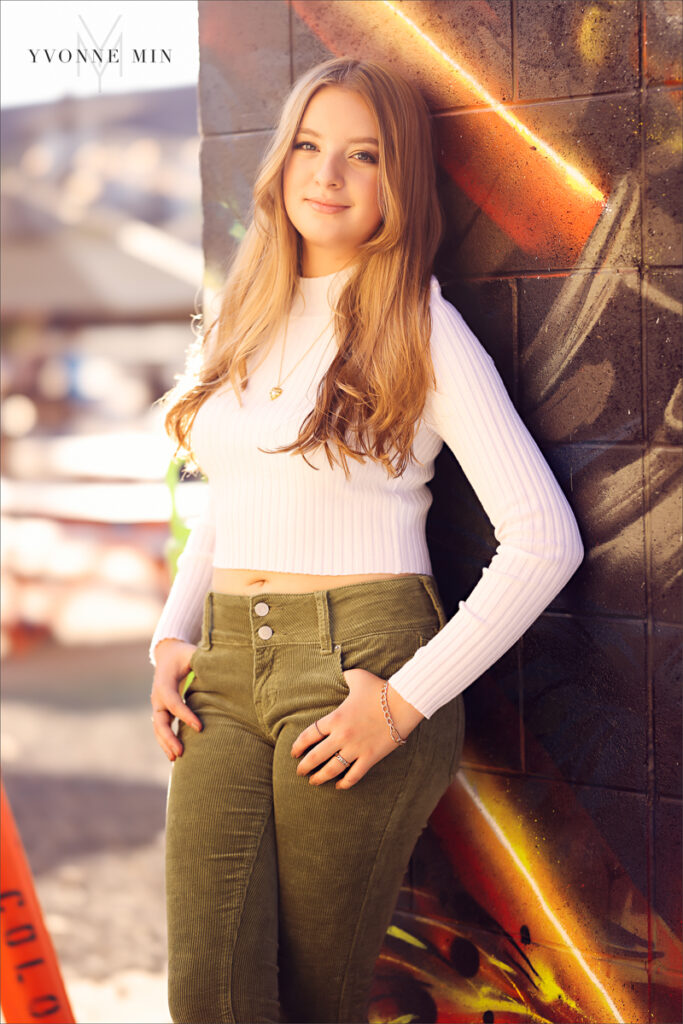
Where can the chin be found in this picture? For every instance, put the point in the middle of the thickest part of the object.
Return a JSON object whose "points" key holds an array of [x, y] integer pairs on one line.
{"points": [[326, 240]]}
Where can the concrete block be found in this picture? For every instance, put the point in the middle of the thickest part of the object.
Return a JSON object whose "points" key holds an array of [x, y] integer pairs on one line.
{"points": [[244, 72], [666, 992], [664, 466], [667, 709], [663, 57], [663, 297], [604, 486], [669, 852], [663, 207], [489, 309], [585, 700], [228, 167], [580, 357], [492, 716], [572, 48]]}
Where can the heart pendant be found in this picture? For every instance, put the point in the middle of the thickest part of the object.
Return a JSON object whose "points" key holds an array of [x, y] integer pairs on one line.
{"points": [[275, 393]]}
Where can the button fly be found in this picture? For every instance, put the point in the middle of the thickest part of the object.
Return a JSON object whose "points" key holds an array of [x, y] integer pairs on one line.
{"points": [[261, 608], [265, 632]]}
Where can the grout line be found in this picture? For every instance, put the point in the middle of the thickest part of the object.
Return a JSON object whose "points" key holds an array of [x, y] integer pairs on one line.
{"points": [[667, 798], [647, 519], [512, 773], [542, 101], [604, 445], [642, 41], [607, 617], [533, 274]]}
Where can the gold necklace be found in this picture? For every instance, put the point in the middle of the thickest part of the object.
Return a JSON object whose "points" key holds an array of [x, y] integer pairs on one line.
{"points": [[276, 391]]}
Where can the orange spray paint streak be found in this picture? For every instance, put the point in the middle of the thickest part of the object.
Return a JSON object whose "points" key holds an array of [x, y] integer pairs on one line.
{"points": [[545, 204], [31, 987], [497, 862]]}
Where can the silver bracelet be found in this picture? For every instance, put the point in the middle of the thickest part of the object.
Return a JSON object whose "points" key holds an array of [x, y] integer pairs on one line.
{"points": [[395, 735]]}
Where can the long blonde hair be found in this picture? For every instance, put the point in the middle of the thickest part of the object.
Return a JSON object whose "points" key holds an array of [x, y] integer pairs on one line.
{"points": [[369, 401]]}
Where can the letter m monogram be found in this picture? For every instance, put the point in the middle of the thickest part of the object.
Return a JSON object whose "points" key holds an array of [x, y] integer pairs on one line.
{"points": [[100, 66]]}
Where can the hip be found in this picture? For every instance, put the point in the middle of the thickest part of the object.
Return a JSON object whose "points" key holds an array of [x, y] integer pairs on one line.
{"points": [[274, 661]]}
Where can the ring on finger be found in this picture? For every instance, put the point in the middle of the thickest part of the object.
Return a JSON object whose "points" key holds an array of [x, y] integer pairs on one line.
{"points": [[342, 759]]}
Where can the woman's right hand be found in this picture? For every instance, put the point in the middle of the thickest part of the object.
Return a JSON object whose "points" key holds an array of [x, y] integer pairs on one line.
{"points": [[172, 665]]}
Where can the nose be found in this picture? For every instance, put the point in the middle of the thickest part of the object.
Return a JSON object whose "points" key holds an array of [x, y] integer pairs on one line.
{"points": [[328, 172]]}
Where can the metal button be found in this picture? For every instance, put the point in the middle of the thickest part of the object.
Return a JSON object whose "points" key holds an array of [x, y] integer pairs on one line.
{"points": [[265, 632], [261, 608]]}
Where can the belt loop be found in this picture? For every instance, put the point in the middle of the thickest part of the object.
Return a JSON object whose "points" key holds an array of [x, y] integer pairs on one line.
{"points": [[323, 610], [209, 619], [429, 583]]}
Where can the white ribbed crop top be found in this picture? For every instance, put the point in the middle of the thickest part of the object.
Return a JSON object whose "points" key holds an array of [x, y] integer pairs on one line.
{"points": [[273, 512]]}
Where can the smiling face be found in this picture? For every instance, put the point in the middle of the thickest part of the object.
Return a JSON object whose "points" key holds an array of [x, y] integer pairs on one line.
{"points": [[330, 179]]}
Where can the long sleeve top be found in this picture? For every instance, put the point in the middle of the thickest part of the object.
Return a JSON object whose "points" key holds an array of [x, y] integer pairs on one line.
{"points": [[274, 512]]}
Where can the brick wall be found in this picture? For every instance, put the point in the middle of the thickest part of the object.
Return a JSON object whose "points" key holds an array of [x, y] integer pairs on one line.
{"points": [[560, 142]]}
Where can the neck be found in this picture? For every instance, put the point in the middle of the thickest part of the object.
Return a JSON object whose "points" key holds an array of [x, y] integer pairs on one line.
{"points": [[322, 263]]}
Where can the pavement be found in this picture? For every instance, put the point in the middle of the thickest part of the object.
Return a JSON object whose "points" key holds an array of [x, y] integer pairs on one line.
{"points": [[87, 785]]}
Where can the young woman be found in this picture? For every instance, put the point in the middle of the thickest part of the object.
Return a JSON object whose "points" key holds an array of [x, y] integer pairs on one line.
{"points": [[325, 719]]}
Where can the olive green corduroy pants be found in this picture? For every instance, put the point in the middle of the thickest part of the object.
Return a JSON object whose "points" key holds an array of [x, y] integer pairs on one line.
{"points": [[279, 893]]}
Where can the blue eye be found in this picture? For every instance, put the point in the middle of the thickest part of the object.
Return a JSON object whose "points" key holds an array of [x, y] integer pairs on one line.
{"points": [[300, 145], [371, 158]]}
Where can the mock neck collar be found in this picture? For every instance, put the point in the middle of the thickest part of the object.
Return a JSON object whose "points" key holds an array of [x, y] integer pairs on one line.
{"points": [[317, 295]]}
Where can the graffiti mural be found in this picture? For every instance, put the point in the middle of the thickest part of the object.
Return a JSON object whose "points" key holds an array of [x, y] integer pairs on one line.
{"points": [[546, 885]]}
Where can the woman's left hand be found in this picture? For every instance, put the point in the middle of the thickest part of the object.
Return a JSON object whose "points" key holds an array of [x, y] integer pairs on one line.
{"points": [[357, 730]]}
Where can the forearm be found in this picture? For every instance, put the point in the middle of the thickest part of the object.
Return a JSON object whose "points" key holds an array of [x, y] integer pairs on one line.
{"points": [[181, 617]]}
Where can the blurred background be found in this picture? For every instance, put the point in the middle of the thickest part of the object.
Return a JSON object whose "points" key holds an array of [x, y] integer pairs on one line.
{"points": [[547, 885], [101, 273]]}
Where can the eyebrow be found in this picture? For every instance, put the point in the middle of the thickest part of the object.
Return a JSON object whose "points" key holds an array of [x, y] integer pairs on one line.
{"points": [[364, 138]]}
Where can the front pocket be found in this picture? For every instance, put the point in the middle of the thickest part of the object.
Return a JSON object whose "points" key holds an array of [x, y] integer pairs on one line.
{"points": [[383, 654], [338, 668]]}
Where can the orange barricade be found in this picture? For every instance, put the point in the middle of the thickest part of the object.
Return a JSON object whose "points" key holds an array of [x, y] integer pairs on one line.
{"points": [[31, 986]]}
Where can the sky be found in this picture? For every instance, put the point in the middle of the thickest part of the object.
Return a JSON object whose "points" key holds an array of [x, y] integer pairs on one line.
{"points": [[51, 29]]}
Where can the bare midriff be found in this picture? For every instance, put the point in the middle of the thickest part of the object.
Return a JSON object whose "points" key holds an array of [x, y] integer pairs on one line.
{"points": [[253, 581]]}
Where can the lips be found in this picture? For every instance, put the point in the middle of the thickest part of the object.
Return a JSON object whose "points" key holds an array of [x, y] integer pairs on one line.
{"points": [[324, 207]]}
